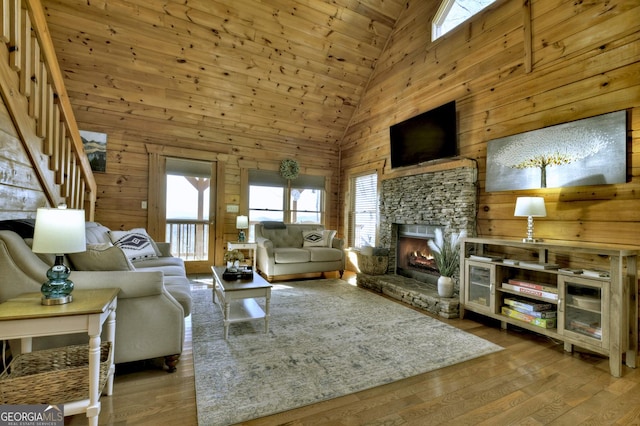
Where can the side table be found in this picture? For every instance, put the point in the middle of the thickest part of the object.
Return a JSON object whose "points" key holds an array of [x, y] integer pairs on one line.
{"points": [[24, 317], [237, 245]]}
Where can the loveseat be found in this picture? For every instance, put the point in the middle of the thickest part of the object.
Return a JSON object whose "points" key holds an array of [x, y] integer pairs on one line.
{"points": [[293, 249], [153, 301]]}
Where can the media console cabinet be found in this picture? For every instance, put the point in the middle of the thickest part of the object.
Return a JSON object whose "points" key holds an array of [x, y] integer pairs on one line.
{"points": [[538, 287]]}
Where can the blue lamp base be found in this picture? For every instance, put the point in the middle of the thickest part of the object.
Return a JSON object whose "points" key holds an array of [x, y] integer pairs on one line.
{"points": [[57, 291], [241, 236]]}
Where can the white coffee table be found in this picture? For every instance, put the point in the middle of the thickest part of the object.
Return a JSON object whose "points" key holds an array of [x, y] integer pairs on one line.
{"points": [[236, 298]]}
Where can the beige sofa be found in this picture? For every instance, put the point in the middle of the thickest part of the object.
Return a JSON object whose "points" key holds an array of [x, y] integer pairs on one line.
{"points": [[292, 249], [153, 301]]}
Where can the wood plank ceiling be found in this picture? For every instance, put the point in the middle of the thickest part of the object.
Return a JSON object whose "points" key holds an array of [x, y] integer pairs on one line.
{"points": [[234, 70]]}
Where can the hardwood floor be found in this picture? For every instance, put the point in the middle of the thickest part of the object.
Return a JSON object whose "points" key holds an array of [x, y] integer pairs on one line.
{"points": [[532, 382]]}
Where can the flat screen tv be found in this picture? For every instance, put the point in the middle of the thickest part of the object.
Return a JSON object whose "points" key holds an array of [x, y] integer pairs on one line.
{"points": [[429, 136]]}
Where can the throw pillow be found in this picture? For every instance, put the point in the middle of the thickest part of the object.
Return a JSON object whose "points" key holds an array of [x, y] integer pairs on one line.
{"points": [[328, 236], [136, 244], [96, 233], [270, 224], [101, 257], [314, 239]]}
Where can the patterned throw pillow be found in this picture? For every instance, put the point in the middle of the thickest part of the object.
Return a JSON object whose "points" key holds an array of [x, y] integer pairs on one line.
{"points": [[314, 239], [136, 244]]}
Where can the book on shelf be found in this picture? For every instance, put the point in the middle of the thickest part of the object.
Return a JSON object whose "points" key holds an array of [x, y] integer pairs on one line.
{"points": [[530, 291], [585, 327], [529, 306], [534, 285], [570, 270], [537, 314], [485, 258], [529, 319], [540, 265], [595, 273]]}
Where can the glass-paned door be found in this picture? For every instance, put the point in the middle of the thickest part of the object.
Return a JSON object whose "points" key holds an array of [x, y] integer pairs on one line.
{"points": [[189, 216]]}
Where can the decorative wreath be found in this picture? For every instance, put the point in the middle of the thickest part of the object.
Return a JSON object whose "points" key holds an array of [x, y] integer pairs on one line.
{"points": [[289, 169]]}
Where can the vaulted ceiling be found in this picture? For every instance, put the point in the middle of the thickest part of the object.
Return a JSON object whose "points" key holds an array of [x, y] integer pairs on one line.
{"points": [[281, 70]]}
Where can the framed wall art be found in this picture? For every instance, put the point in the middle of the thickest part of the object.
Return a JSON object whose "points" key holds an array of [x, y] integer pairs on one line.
{"points": [[95, 146], [591, 151]]}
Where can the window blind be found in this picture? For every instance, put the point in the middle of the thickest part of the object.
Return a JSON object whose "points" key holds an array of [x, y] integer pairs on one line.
{"points": [[273, 178], [365, 210], [194, 168]]}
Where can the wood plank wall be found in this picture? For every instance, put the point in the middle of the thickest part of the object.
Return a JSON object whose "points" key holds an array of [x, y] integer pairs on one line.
{"points": [[156, 102], [585, 61], [20, 190]]}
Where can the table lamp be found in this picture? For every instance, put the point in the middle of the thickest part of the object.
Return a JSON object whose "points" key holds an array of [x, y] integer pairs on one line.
{"points": [[58, 231], [530, 207], [242, 223]]}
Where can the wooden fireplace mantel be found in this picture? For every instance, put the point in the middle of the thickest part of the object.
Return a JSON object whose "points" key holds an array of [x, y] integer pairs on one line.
{"points": [[429, 167]]}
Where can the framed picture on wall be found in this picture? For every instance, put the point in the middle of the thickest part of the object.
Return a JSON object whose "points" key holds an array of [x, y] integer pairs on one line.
{"points": [[591, 151], [95, 146]]}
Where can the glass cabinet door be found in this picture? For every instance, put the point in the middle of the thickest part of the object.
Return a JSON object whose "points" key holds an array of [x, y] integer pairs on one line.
{"points": [[584, 309], [479, 288]]}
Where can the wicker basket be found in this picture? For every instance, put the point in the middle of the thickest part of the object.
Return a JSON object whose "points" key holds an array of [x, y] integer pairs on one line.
{"points": [[372, 264], [52, 376]]}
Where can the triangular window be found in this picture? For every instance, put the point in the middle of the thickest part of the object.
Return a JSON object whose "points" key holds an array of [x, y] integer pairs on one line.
{"points": [[453, 13]]}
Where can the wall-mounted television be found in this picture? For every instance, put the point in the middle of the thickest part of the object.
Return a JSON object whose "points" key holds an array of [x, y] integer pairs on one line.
{"points": [[429, 136]]}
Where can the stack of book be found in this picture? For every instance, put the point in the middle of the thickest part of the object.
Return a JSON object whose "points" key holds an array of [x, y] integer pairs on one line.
{"points": [[540, 265], [584, 326], [595, 273], [532, 288], [535, 313], [485, 258]]}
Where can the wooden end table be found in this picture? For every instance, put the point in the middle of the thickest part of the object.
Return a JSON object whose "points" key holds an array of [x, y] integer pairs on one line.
{"points": [[236, 298], [252, 247], [24, 317]]}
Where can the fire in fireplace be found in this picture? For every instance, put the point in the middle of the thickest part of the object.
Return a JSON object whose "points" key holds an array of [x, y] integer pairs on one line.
{"points": [[422, 260], [413, 256]]}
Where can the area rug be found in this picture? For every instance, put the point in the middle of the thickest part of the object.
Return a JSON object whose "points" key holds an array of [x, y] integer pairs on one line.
{"points": [[326, 339]]}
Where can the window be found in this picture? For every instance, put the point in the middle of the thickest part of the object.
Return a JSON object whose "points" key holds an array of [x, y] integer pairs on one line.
{"points": [[454, 12], [364, 210], [266, 203], [271, 197]]}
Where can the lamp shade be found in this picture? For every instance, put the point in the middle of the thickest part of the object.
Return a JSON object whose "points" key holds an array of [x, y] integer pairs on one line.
{"points": [[242, 222], [530, 206], [59, 231]]}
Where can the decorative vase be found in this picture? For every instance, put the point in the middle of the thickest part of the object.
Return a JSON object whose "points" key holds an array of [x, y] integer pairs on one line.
{"points": [[236, 263], [229, 264], [445, 286]]}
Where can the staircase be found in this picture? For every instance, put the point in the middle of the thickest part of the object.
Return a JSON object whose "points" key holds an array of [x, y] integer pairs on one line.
{"points": [[33, 90]]}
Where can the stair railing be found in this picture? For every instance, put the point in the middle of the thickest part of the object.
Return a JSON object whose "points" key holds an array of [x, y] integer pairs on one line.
{"points": [[33, 90]]}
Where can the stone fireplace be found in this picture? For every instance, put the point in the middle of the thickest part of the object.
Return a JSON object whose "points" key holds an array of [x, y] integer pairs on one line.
{"points": [[420, 203], [412, 206]]}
